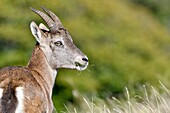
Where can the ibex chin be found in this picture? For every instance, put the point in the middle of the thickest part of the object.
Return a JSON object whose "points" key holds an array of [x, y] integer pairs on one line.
{"points": [[29, 89]]}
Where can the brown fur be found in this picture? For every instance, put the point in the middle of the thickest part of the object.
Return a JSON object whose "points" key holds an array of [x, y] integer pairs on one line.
{"points": [[36, 96]]}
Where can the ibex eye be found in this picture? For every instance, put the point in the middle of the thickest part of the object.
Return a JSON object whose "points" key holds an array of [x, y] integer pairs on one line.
{"points": [[58, 43]]}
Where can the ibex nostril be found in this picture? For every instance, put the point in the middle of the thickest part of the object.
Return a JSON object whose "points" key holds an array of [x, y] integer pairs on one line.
{"points": [[85, 59]]}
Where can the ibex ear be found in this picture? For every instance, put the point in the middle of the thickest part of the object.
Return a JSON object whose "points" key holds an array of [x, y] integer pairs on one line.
{"points": [[42, 26], [36, 32]]}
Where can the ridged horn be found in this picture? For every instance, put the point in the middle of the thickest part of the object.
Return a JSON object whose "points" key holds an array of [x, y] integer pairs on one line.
{"points": [[53, 16], [51, 24]]}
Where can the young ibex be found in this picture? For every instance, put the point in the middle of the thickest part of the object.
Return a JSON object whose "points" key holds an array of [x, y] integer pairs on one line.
{"points": [[29, 89]]}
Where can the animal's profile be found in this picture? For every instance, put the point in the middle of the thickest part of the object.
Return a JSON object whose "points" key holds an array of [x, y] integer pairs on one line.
{"points": [[29, 89]]}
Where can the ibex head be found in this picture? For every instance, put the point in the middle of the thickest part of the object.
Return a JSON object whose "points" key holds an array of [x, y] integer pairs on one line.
{"points": [[56, 43]]}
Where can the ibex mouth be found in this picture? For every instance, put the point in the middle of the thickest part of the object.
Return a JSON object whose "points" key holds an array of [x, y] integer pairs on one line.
{"points": [[80, 66]]}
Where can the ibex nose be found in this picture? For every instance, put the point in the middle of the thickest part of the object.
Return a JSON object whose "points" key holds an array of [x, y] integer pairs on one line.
{"points": [[81, 63], [85, 59]]}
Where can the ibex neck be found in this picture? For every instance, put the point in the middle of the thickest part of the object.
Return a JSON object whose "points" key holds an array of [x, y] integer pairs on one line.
{"points": [[38, 63]]}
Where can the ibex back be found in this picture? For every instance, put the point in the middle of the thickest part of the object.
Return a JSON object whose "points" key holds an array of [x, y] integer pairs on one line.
{"points": [[29, 89]]}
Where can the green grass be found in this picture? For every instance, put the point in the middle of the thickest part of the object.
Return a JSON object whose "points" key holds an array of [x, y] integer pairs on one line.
{"points": [[151, 100]]}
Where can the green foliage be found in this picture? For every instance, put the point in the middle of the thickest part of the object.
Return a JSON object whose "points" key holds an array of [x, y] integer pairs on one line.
{"points": [[127, 43]]}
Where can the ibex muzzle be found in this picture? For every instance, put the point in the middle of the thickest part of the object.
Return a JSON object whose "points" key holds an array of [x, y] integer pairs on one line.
{"points": [[29, 89]]}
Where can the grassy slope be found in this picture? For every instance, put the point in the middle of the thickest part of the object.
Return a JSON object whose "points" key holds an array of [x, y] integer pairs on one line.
{"points": [[149, 101], [125, 43]]}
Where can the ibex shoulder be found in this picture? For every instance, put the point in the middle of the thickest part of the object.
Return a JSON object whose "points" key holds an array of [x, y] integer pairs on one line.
{"points": [[19, 85]]}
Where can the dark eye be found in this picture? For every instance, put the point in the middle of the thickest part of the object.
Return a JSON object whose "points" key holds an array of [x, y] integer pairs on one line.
{"points": [[58, 43]]}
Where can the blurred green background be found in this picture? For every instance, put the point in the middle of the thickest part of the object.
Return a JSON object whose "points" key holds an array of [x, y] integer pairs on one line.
{"points": [[127, 43]]}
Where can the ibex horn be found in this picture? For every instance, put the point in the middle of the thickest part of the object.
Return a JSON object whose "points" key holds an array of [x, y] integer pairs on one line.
{"points": [[46, 18], [53, 16]]}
